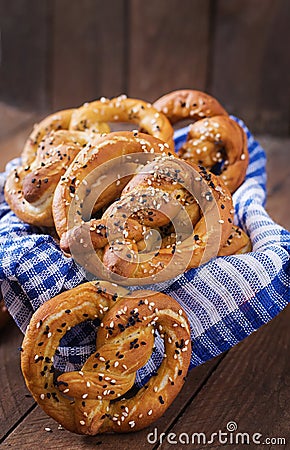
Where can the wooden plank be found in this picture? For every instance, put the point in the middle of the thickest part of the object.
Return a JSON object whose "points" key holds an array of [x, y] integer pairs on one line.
{"points": [[169, 45], [87, 51], [11, 146], [277, 203], [278, 173], [31, 431], [249, 387], [250, 62], [12, 119], [23, 70], [15, 399]]}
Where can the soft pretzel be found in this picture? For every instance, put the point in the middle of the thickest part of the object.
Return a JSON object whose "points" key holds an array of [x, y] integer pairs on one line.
{"points": [[124, 109], [149, 201], [214, 140], [237, 243], [94, 116], [29, 189], [93, 400], [220, 145], [188, 104], [113, 149], [61, 120]]}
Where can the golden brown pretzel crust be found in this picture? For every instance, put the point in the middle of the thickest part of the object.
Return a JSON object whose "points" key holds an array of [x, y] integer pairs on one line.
{"points": [[212, 194], [237, 243], [94, 116], [106, 148], [124, 344], [120, 254], [218, 140], [123, 109], [188, 104], [213, 137], [60, 120], [29, 189]]}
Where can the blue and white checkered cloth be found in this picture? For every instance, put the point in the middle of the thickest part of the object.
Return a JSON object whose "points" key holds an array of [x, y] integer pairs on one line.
{"points": [[225, 300]]}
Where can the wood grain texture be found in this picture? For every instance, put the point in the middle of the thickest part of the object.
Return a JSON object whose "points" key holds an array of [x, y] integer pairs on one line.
{"points": [[169, 44], [31, 430], [87, 55], [249, 387], [12, 145], [278, 178], [24, 43], [250, 65], [15, 399]]}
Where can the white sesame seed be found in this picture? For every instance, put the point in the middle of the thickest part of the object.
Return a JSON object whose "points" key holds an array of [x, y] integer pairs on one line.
{"points": [[85, 395], [82, 422], [149, 412]]}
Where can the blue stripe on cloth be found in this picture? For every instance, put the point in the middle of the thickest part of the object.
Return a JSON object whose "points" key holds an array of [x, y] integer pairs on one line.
{"points": [[225, 300]]}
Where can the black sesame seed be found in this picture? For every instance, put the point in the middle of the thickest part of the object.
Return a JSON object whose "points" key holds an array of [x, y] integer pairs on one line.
{"points": [[161, 400]]}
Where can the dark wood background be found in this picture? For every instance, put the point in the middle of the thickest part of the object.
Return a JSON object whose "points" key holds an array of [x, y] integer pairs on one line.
{"points": [[59, 53]]}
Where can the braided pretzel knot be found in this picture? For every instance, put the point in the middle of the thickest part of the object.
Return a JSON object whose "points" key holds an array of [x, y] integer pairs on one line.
{"points": [[214, 140], [29, 189], [92, 400], [94, 117], [56, 141], [118, 146], [167, 191]]}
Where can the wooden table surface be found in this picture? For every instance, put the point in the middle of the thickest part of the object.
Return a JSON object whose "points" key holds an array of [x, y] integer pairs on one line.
{"points": [[248, 385]]}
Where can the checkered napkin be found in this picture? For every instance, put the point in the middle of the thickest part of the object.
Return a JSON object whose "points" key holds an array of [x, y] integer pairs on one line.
{"points": [[225, 299]]}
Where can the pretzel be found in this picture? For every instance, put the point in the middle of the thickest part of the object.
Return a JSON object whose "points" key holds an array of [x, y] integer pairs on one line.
{"points": [[60, 120], [214, 139], [94, 116], [114, 149], [93, 400], [116, 235], [237, 243], [29, 189]]}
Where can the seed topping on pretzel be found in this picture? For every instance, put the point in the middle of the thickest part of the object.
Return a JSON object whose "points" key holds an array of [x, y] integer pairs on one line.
{"points": [[214, 139], [168, 195], [93, 400]]}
